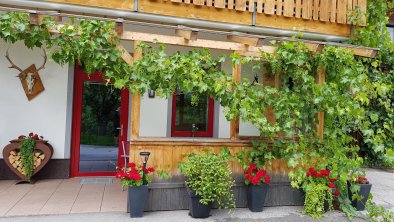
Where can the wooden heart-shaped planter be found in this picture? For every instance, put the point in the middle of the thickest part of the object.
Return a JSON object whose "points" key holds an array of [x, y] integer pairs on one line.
{"points": [[41, 155]]}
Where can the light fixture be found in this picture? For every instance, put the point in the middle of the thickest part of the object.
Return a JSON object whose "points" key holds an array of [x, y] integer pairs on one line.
{"points": [[151, 93], [145, 157]]}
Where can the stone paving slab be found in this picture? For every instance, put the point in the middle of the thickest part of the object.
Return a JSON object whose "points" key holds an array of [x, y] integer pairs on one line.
{"points": [[270, 214], [69, 200]]}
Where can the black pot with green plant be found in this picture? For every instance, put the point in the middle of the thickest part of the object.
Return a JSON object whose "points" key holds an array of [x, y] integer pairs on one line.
{"points": [[358, 192], [208, 181]]}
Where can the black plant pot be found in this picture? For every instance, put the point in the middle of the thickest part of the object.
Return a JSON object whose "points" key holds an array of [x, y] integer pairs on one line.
{"points": [[256, 197], [196, 209], [137, 198], [365, 189]]}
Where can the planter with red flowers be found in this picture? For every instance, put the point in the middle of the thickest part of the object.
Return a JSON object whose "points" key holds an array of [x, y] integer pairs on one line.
{"points": [[27, 155], [134, 177], [359, 192], [257, 181], [320, 190], [255, 161]]}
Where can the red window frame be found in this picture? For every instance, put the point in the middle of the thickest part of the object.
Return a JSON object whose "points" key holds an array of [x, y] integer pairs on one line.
{"points": [[208, 133]]}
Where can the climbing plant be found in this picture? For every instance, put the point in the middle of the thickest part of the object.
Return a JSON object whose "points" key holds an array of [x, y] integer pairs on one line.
{"points": [[378, 140], [345, 97]]}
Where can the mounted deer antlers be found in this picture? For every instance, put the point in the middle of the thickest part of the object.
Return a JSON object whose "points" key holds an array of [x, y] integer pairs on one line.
{"points": [[29, 77], [23, 74]]}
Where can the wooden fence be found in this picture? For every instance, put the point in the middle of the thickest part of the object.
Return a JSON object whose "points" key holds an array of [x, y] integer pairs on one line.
{"points": [[336, 11]]}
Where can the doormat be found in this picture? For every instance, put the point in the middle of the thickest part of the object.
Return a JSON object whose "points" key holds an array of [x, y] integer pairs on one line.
{"points": [[96, 180]]}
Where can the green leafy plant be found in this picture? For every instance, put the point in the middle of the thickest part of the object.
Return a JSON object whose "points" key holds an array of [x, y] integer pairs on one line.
{"points": [[315, 197], [209, 176], [27, 145], [378, 213]]}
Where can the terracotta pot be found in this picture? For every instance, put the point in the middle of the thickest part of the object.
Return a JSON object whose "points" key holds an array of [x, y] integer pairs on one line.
{"points": [[43, 151]]}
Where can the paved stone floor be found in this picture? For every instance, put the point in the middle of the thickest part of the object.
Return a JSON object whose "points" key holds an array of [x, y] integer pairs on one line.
{"points": [[69, 200], [60, 197]]}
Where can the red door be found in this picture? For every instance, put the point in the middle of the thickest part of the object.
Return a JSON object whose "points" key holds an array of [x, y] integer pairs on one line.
{"points": [[100, 123]]}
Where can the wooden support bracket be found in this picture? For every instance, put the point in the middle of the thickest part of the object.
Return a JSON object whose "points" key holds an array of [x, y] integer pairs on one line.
{"points": [[187, 33], [33, 18], [119, 27], [246, 40]]}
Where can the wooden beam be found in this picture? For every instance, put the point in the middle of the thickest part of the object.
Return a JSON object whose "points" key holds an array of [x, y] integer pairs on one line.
{"points": [[245, 40], [125, 55], [119, 28], [234, 124], [135, 100], [242, 49], [34, 19], [321, 78], [202, 43], [188, 34]]}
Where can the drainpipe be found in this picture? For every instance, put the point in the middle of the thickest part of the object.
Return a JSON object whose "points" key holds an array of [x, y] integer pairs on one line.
{"points": [[133, 15]]}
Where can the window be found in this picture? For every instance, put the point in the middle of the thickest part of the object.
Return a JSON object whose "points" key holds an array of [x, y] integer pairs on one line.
{"points": [[192, 120]]}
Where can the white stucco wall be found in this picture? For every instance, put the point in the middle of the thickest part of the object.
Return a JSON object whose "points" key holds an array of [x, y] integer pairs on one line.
{"points": [[45, 114], [246, 128], [153, 116]]}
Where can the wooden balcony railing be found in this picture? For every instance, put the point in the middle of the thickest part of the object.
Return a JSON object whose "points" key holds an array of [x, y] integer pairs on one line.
{"points": [[318, 16], [322, 10]]}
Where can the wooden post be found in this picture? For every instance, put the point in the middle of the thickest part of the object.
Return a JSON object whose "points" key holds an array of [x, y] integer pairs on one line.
{"points": [[234, 124], [135, 100], [321, 78]]}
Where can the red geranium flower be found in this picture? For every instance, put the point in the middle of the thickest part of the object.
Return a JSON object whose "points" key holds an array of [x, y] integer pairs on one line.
{"points": [[132, 165], [31, 134], [267, 179], [331, 185], [336, 192], [332, 180]]}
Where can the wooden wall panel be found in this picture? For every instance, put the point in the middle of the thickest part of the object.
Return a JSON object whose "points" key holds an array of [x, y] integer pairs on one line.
{"points": [[279, 7], [307, 9], [298, 8], [288, 8], [196, 12], [324, 10], [333, 11], [269, 7], [167, 155], [341, 11], [302, 25], [127, 5], [316, 8], [240, 5]]}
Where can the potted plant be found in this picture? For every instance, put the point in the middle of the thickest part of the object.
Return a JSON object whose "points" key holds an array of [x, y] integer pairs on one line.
{"points": [[27, 155], [319, 190], [257, 181], [254, 161], [359, 192], [208, 181], [132, 176]]}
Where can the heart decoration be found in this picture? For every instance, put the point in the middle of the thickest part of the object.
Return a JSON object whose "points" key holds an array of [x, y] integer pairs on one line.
{"points": [[42, 154]]}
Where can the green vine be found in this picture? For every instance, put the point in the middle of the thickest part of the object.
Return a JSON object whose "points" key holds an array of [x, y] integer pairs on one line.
{"points": [[26, 147], [356, 97], [316, 197]]}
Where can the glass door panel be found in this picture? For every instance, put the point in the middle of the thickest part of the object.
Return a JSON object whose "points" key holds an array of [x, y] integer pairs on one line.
{"points": [[99, 127]]}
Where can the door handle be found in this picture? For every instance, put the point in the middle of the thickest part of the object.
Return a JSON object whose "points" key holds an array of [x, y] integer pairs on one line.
{"points": [[121, 129]]}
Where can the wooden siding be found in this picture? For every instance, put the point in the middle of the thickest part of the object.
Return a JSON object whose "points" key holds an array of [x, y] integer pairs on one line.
{"points": [[127, 5], [319, 16], [166, 153]]}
